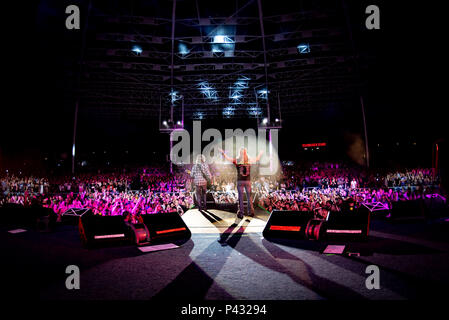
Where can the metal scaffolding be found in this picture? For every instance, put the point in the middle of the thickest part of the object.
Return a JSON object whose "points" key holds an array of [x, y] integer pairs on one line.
{"points": [[261, 48]]}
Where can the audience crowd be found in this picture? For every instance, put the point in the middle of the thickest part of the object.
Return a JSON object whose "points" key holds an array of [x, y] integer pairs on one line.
{"points": [[313, 187]]}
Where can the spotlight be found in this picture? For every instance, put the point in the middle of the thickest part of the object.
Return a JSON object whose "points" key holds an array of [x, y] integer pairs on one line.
{"points": [[254, 111], [277, 120], [174, 96], [222, 43], [164, 123], [263, 93], [265, 121], [303, 48], [179, 123], [222, 39], [136, 50], [183, 49]]}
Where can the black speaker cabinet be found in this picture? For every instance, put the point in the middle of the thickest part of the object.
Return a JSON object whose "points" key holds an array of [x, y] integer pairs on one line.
{"points": [[287, 224], [166, 226], [349, 225], [100, 230]]}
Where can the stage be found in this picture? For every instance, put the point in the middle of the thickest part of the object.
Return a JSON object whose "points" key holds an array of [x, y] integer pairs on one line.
{"points": [[220, 221], [228, 261]]}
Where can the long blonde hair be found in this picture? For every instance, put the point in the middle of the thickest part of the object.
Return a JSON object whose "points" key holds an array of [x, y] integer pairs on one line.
{"points": [[243, 156]]}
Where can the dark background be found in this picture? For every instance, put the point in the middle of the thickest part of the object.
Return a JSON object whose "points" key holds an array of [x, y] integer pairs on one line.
{"points": [[403, 94]]}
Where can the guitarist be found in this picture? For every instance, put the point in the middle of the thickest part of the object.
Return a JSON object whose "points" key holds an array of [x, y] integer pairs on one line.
{"points": [[201, 178]]}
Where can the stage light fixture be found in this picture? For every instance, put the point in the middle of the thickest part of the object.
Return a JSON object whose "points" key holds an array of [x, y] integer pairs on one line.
{"points": [[241, 84], [198, 115], [207, 90], [265, 121], [221, 43], [137, 50], [182, 48], [222, 39], [263, 93], [164, 123], [254, 111], [303, 48], [174, 96], [228, 111]]}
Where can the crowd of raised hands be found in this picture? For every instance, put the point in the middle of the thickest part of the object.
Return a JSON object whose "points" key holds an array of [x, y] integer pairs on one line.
{"points": [[149, 190]]}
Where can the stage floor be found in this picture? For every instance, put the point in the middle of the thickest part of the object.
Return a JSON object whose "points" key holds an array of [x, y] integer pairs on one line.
{"points": [[218, 221], [226, 261]]}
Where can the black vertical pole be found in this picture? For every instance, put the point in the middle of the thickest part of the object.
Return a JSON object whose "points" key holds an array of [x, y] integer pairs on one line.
{"points": [[75, 121]]}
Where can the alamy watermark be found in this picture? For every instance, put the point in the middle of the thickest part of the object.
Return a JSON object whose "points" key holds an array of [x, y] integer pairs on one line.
{"points": [[373, 280], [72, 282], [73, 20], [265, 141], [373, 20]]}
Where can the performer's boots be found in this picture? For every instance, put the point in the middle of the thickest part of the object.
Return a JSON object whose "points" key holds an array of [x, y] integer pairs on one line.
{"points": [[239, 215]]}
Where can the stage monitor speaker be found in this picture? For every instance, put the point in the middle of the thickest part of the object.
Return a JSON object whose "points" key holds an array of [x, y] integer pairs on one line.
{"points": [[100, 230], [350, 225], [164, 227], [36, 217], [339, 226], [287, 224]]}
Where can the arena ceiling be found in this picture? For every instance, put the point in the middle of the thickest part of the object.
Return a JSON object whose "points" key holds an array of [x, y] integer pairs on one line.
{"points": [[213, 59]]}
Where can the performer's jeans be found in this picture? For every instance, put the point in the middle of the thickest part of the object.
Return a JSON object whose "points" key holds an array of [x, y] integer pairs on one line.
{"points": [[201, 196], [245, 186]]}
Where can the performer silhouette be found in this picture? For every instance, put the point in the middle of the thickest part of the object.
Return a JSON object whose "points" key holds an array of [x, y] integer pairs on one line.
{"points": [[201, 176], [243, 164]]}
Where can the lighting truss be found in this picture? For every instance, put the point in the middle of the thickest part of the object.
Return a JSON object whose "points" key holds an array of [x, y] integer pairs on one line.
{"points": [[228, 112], [174, 96], [254, 111], [117, 79], [198, 115], [208, 91], [220, 39], [262, 94]]}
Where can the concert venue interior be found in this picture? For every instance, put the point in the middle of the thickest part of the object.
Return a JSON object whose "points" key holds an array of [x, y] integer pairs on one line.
{"points": [[349, 194]]}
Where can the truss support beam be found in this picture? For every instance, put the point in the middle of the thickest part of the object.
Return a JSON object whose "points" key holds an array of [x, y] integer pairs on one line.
{"points": [[262, 31], [172, 67]]}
